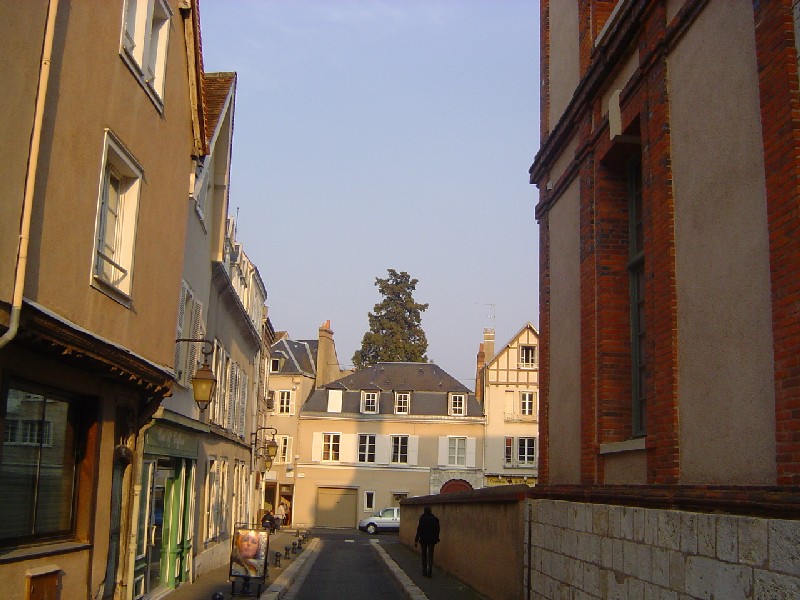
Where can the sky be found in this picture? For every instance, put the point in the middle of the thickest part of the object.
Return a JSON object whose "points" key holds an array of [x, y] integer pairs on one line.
{"points": [[378, 134]]}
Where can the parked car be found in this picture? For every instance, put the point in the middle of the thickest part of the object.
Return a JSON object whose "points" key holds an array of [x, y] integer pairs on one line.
{"points": [[386, 519]]}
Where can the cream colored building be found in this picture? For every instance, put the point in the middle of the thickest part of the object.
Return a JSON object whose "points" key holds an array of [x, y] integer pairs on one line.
{"points": [[384, 433], [296, 369], [100, 121], [508, 385]]}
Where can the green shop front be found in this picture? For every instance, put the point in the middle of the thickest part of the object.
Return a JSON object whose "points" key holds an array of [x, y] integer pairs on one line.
{"points": [[165, 534]]}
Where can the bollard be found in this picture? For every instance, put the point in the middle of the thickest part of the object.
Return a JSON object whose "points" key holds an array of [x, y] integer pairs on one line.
{"points": [[217, 596], [287, 549], [277, 559], [294, 547], [300, 545]]}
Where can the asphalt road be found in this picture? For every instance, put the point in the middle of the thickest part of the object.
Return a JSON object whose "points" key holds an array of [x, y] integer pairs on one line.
{"points": [[347, 567]]}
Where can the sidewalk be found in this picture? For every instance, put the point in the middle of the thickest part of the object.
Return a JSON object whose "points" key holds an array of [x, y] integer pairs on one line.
{"points": [[406, 566], [206, 585]]}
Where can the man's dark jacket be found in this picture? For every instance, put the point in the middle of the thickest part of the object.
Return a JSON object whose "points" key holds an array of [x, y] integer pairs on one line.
{"points": [[428, 529]]}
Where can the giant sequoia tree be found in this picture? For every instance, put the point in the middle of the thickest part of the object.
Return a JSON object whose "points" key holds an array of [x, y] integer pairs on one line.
{"points": [[395, 333]]}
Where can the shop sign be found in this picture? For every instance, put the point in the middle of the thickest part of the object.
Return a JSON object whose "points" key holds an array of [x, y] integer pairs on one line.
{"points": [[171, 442]]}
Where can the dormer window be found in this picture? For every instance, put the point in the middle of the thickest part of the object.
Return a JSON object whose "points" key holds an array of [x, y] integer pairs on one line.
{"points": [[457, 405], [369, 402], [527, 357], [402, 403], [275, 365]]}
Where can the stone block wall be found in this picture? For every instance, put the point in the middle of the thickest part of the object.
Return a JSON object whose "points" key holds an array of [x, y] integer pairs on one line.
{"points": [[582, 551]]}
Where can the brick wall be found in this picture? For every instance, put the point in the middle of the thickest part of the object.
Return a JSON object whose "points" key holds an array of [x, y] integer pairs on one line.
{"points": [[780, 121]]}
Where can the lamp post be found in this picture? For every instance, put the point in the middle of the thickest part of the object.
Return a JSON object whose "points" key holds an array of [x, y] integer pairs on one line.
{"points": [[203, 382], [268, 450]]}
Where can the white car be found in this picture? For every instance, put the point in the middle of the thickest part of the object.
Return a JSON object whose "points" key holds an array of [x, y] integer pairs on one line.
{"points": [[386, 519]]}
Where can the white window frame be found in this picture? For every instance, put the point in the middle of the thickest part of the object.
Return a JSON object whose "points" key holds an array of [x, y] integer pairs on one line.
{"points": [[524, 461], [528, 401], [527, 356], [284, 455], [367, 441], [284, 405], [369, 501], [402, 403], [370, 402], [457, 404], [331, 446], [146, 26], [396, 448], [274, 365], [457, 451], [115, 227]]}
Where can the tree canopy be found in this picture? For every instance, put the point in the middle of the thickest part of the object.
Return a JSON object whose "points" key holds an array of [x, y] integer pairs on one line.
{"points": [[395, 331]]}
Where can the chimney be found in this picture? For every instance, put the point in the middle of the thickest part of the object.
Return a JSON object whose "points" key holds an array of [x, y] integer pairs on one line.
{"points": [[479, 375], [488, 343], [327, 362]]}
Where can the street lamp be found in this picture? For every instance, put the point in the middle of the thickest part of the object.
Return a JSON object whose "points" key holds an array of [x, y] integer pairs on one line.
{"points": [[203, 383], [268, 449]]}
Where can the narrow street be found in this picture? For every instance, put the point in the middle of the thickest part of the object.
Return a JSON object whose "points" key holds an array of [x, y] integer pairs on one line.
{"points": [[347, 566]]}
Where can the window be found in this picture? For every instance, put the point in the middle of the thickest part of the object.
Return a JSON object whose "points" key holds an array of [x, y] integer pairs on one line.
{"points": [[528, 404], [458, 405], [330, 446], [399, 448], [275, 365], [38, 463], [190, 326], [369, 402], [369, 501], [637, 291], [366, 448], [509, 451], [402, 403], [527, 357], [526, 451], [457, 452], [285, 402], [145, 36], [284, 449], [117, 209]]}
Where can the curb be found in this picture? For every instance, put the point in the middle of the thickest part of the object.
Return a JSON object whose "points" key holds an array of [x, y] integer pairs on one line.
{"points": [[296, 570], [411, 589]]}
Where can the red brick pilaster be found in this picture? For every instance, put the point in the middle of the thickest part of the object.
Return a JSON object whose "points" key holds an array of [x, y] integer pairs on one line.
{"points": [[544, 70], [544, 346], [780, 122], [589, 283]]}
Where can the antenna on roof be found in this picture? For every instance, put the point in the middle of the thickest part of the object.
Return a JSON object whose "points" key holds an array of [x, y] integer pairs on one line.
{"points": [[491, 315]]}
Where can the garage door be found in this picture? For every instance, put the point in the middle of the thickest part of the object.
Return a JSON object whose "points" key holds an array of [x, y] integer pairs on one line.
{"points": [[336, 507]]}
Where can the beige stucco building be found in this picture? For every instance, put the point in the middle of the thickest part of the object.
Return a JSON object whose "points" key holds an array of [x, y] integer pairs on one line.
{"points": [[507, 386], [384, 433], [296, 369], [99, 124]]}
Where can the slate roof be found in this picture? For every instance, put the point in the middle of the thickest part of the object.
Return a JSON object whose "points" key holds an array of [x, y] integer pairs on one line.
{"points": [[428, 383], [300, 356]]}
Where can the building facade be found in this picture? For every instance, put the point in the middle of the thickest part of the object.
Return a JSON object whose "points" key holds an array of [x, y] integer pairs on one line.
{"points": [[670, 262], [507, 386], [296, 369], [382, 434], [93, 227]]}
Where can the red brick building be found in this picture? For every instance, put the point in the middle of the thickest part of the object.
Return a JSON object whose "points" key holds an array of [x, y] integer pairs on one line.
{"points": [[669, 174]]}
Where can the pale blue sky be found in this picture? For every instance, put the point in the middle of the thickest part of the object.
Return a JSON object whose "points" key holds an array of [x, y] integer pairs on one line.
{"points": [[376, 134]]}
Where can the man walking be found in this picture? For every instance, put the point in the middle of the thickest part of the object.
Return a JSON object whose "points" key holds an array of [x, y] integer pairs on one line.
{"points": [[427, 537]]}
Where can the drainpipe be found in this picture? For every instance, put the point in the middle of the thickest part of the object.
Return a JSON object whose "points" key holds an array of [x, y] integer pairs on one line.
{"points": [[30, 177]]}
